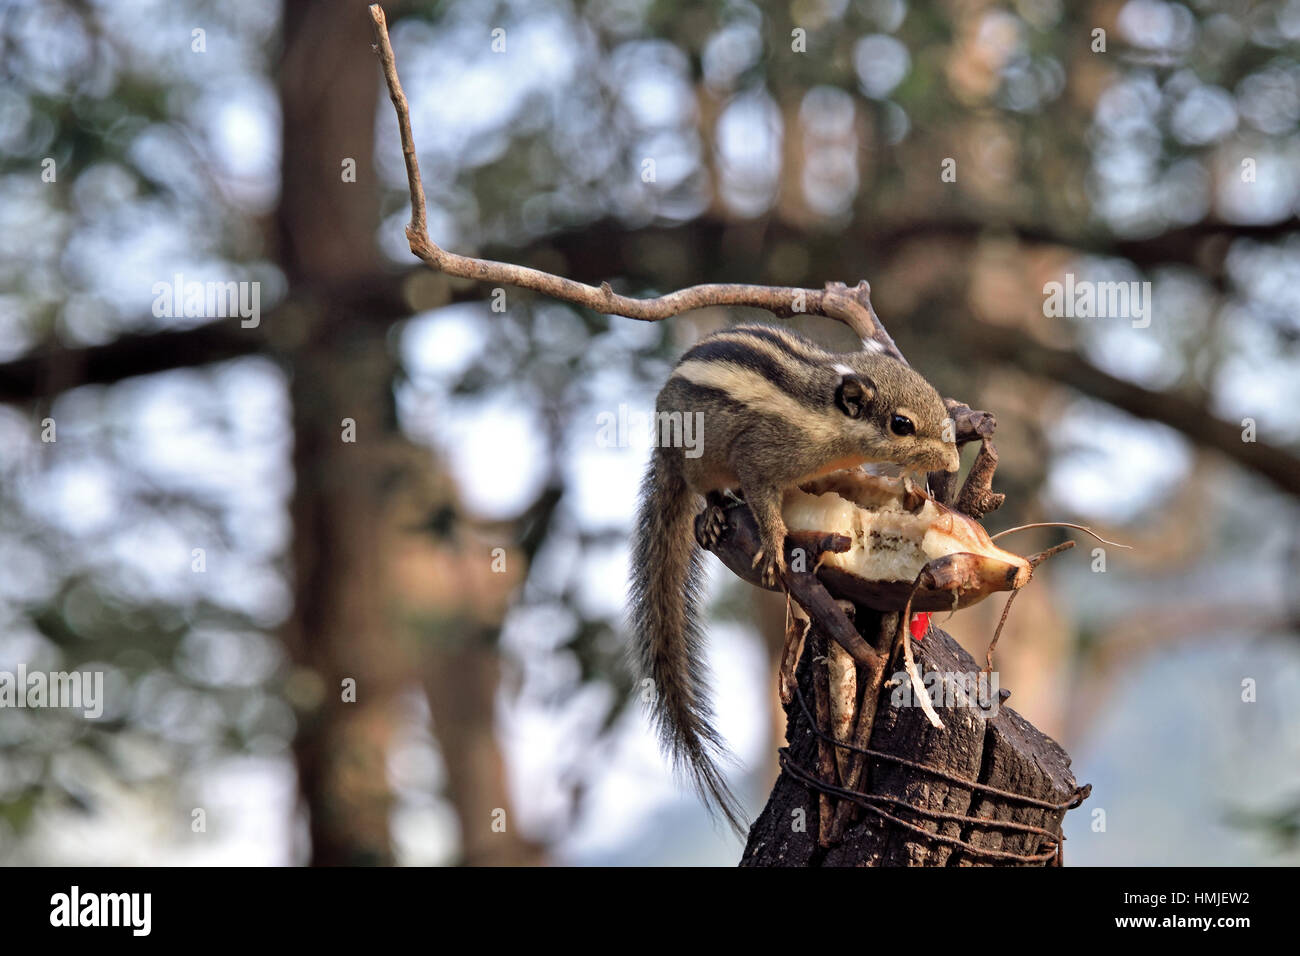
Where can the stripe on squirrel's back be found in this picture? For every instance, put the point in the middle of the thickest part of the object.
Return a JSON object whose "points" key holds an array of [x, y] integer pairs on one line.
{"points": [[776, 367], [806, 372], [791, 342], [760, 396], [708, 395], [801, 356]]}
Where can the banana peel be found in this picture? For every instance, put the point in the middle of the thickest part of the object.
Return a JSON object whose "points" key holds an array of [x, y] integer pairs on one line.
{"points": [[894, 532]]}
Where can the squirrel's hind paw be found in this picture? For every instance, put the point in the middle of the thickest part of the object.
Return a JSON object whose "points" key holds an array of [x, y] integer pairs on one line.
{"points": [[710, 526]]}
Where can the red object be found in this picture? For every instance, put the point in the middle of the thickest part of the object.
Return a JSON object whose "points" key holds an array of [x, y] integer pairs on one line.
{"points": [[920, 625]]}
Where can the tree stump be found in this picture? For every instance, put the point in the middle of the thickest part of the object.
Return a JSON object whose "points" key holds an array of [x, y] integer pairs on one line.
{"points": [[988, 789]]}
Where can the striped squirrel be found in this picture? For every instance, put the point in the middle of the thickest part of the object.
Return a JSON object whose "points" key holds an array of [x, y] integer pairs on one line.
{"points": [[776, 410]]}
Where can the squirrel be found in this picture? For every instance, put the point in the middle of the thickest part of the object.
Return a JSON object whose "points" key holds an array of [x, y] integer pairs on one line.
{"points": [[776, 410]]}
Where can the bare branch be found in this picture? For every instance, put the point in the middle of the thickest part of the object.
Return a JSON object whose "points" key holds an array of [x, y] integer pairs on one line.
{"points": [[52, 370], [836, 301]]}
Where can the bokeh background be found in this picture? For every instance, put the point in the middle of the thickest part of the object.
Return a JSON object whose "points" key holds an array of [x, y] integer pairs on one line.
{"points": [[464, 560]]}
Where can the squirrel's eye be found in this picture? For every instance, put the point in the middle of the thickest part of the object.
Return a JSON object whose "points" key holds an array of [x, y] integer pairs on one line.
{"points": [[902, 425]]}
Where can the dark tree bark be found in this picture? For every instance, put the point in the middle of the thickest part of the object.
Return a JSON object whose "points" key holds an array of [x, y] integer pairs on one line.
{"points": [[1003, 752]]}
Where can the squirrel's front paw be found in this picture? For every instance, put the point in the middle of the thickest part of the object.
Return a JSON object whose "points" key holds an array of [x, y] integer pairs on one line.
{"points": [[768, 569]]}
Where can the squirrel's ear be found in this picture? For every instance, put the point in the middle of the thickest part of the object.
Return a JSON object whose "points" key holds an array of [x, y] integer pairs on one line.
{"points": [[854, 394]]}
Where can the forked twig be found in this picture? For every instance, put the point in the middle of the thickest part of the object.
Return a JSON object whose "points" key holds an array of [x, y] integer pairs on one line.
{"points": [[1034, 561]]}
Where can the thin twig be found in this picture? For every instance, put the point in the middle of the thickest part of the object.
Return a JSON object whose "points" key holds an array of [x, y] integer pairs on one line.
{"points": [[1036, 559], [1006, 610], [825, 753]]}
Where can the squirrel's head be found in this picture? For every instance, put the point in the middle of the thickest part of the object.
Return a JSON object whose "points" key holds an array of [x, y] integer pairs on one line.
{"points": [[897, 414]]}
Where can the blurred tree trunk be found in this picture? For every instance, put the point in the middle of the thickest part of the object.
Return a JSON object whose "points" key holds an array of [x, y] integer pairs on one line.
{"points": [[339, 370], [462, 685], [452, 588], [356, 504], [341, 625]]}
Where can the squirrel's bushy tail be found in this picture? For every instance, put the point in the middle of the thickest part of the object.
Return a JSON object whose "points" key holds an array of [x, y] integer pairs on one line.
{"points": [[667, 572]]}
